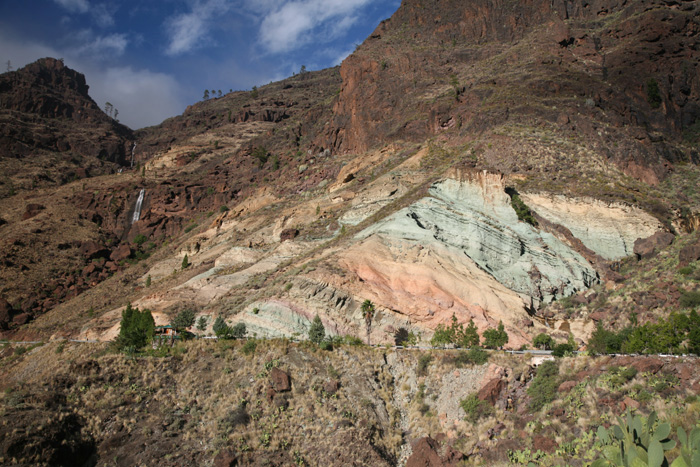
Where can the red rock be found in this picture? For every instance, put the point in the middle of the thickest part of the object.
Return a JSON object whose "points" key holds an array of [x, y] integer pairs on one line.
{"points": [[121, 253], [226, 458], [331, 387], [89, 269], [280, 380], [22, 318], [425, 454], [567, 386], [270, 394], [648, 247], [648, 365], [628, 403], [32, 210], [597, 316], [491, 391], [688, 254], [91, 250], [111, 266], [540, 443]]}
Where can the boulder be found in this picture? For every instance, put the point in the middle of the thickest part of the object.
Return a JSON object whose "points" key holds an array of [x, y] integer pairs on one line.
{"points": [[425, 454], [541, 443], [688, 254], [491, 391], [22, 318], [92, 250], [628, 402], [226, 458], [648, 365], [121, 253], [567, 386], [32, 210], [648, 247], [331, 387], [280, 380], [288, 234]]}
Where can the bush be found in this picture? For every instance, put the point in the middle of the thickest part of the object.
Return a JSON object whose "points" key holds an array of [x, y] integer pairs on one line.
{"points": [[475, 408], [249, 347], [185, 262], [423, 363], [521, 210], [653, 94], [543, 388], [686, 271], [238, 331], [140, 239], [474, 356], [560, 350], [317, 332], [690, 299]]}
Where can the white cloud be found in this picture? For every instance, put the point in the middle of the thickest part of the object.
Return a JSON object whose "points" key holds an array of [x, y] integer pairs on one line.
{"points": [[295, 23], [189, 31], [143, 97], [74, 6], [101, 46]]}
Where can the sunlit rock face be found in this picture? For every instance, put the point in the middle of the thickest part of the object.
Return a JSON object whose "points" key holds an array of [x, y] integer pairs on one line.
{"points": [[470, 214]]}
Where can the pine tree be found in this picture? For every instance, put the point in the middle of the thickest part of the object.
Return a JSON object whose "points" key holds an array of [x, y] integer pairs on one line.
{"points": [[185, 262], [202, 323], [495, 338], [137, 328], [183, 320], [317, 332], [221, 329]]}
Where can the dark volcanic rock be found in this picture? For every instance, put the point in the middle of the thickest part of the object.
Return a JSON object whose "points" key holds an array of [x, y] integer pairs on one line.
{"points": [[288, 234], [121, 253], [648, 247], [426, 453], [92, 250], [689, 253]]}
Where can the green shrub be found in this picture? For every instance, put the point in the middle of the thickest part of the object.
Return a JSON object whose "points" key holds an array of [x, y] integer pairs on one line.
{"points": [[690, 299], [686, 271], [653, 93], [543, 388], [561, 350], [238, 331], [473, 356], [185, 262], [190, 227], [249, 347], [140, 239], [475, 408], [521, 210]]}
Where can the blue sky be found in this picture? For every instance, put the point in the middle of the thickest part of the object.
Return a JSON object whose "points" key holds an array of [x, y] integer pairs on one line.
{"points": [[152, 58]]}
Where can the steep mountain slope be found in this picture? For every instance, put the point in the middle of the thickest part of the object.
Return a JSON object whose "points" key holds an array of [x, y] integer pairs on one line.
{"points": [[403, 178]]}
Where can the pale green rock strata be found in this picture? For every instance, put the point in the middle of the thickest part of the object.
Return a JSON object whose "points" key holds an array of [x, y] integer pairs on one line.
{"points": [[474, 216]]}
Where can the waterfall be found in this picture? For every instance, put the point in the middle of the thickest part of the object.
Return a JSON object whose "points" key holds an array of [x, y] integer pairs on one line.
{"points": [[133, 149], [137, 208]]}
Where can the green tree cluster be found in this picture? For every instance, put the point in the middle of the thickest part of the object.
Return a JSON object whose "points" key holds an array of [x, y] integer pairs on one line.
{"points": [[456, 334], [137, 328], [543, 388], [495, 338], [543, 341], [677, 334]]}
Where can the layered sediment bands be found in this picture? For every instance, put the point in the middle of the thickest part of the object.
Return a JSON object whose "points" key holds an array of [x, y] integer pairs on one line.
{"points": [[471, 216], [610, 230]]}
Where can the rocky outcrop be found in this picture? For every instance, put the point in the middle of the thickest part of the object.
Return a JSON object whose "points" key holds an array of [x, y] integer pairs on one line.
{"points": [[608, 229], [648, 247], [472, 214]]}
